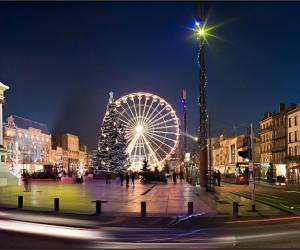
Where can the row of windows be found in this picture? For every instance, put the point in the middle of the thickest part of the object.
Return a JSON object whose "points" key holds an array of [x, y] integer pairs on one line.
{"points": [[266, 148], [279, 157], [266, 138], [266, 125], [293, 120], [279, 122], [294, 151], [294, 137]]}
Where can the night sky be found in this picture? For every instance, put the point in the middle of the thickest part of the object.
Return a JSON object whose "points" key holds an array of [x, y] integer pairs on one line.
{"points": [[62, 59]]}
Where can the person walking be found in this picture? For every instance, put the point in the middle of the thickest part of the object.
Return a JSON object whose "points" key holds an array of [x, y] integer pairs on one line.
{"points": [[132, 178], [219, 178], [181, 176], [26, 182], [214, 177], [106, 177], [174, 177], [127, 179], [121, 178]]}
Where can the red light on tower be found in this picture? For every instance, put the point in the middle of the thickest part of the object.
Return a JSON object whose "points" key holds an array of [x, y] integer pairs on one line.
{"points": [[183, 95]]}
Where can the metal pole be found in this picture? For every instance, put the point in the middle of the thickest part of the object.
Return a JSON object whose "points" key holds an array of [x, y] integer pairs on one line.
{"points": [[210, 157], [202, 103], [252, 185]]}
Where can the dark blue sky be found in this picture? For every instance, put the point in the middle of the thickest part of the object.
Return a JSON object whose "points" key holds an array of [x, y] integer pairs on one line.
{"points": [[62, 59]]}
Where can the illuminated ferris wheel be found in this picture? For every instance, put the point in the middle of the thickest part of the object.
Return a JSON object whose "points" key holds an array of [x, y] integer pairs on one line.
{"points": [[151, 128]]}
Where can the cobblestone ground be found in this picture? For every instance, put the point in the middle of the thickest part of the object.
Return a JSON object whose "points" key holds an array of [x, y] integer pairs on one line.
{"points": [[162, 199]]}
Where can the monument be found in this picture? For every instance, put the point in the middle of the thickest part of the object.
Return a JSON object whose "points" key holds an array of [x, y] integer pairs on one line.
{"points": [[6, 178]]}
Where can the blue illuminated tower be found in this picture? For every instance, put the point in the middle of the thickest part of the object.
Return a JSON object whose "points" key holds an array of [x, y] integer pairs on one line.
{"points": [[184, 105]]}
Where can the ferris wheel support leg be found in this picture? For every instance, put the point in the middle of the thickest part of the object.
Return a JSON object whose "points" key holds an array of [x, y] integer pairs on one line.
{"points": [[203, 167]]}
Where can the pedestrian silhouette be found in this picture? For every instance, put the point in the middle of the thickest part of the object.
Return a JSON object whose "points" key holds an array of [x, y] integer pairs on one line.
{"points": [[214, 177], [174, 177], [132, 178], [121, 178], [181, 176], [219, 178], [127, 179]]}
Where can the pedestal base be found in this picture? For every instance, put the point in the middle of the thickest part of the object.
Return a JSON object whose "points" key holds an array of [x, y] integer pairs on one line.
{"points": [[6, 178]]}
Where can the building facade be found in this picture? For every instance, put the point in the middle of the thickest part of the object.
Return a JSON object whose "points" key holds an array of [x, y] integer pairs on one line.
{"points": [[266, 135], [68, 154], [293, 142], [28, 145], [277, 131], [225, 153]]}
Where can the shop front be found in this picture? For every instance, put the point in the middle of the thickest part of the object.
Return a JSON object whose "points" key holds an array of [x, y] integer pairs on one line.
{"points": [[264, 172], [280, 173], [18, 169], [294, 173]]}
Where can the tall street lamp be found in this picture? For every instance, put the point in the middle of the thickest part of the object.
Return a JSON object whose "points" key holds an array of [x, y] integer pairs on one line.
{"points": [[200, 33]]}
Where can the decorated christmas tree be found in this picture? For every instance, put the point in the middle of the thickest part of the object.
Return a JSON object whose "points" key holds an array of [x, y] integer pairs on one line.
{"points": [[111, 156]]}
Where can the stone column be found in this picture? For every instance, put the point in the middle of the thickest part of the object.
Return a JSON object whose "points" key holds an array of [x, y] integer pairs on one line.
{"points": [[1, 124], [3, 88], [6, 178]]}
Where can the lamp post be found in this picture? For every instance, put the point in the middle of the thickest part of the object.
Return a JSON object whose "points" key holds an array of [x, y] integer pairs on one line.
{"points": [[200, 33]]}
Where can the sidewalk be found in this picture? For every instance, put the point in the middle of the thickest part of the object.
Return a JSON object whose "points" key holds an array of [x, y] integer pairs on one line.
{"points": [[163, 200], [227, 193], [286, 186]]}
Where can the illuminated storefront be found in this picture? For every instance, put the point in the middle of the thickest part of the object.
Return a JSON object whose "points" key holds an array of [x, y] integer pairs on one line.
{"points": [[28, 145]]}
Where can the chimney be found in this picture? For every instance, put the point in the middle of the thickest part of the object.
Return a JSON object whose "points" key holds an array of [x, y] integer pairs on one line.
{"points": [[281, 107]]}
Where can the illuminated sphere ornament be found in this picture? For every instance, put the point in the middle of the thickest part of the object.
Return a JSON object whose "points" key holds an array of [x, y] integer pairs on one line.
{"points": [[151, 128]]}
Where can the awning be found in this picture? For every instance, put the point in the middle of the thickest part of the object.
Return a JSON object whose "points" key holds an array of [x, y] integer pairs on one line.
{"points": [[296, 167]]}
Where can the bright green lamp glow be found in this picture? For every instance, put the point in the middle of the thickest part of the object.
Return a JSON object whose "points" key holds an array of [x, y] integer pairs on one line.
{"points": [[201, 32]]}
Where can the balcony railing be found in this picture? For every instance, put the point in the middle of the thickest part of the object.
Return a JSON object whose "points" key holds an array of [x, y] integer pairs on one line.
{"points": [[278, 149], [266, 129], [290, 158]]}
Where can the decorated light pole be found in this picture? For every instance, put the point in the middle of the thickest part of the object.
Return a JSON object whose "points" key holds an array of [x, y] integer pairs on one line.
{"points": [[200, 33]]}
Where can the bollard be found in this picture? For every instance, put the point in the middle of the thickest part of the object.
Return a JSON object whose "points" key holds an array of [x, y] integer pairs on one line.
{"points": [[98, 207], [143, 208], [56, 204], [20, 201], [190, 207], [235, 209]]}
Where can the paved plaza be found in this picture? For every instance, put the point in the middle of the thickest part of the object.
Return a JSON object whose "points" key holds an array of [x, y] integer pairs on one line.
{"points": [[162, 199]]}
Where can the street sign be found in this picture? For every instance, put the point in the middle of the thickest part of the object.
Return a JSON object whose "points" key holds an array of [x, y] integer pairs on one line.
{"points": [[251, 173]]}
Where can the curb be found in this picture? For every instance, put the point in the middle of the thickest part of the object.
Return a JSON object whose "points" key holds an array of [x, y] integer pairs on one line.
{"points": [[266, 203]]}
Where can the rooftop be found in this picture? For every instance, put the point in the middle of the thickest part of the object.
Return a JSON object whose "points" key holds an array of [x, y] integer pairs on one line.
{"points": [[24, 123]]}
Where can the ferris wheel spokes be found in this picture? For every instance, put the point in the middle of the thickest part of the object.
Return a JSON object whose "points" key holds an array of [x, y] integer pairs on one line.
{"points": [[160, 141], [158, 146], [150, 149], [153, 111], [145, 104], [151, 119], [133, 116]]}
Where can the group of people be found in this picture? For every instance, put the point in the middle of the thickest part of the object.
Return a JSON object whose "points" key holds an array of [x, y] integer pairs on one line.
{"points": [[174, 175], [127, 178], [217, 177]]}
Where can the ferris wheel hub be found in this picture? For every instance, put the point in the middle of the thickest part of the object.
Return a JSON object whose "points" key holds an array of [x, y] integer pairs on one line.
{"points": [[139, 129]]}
